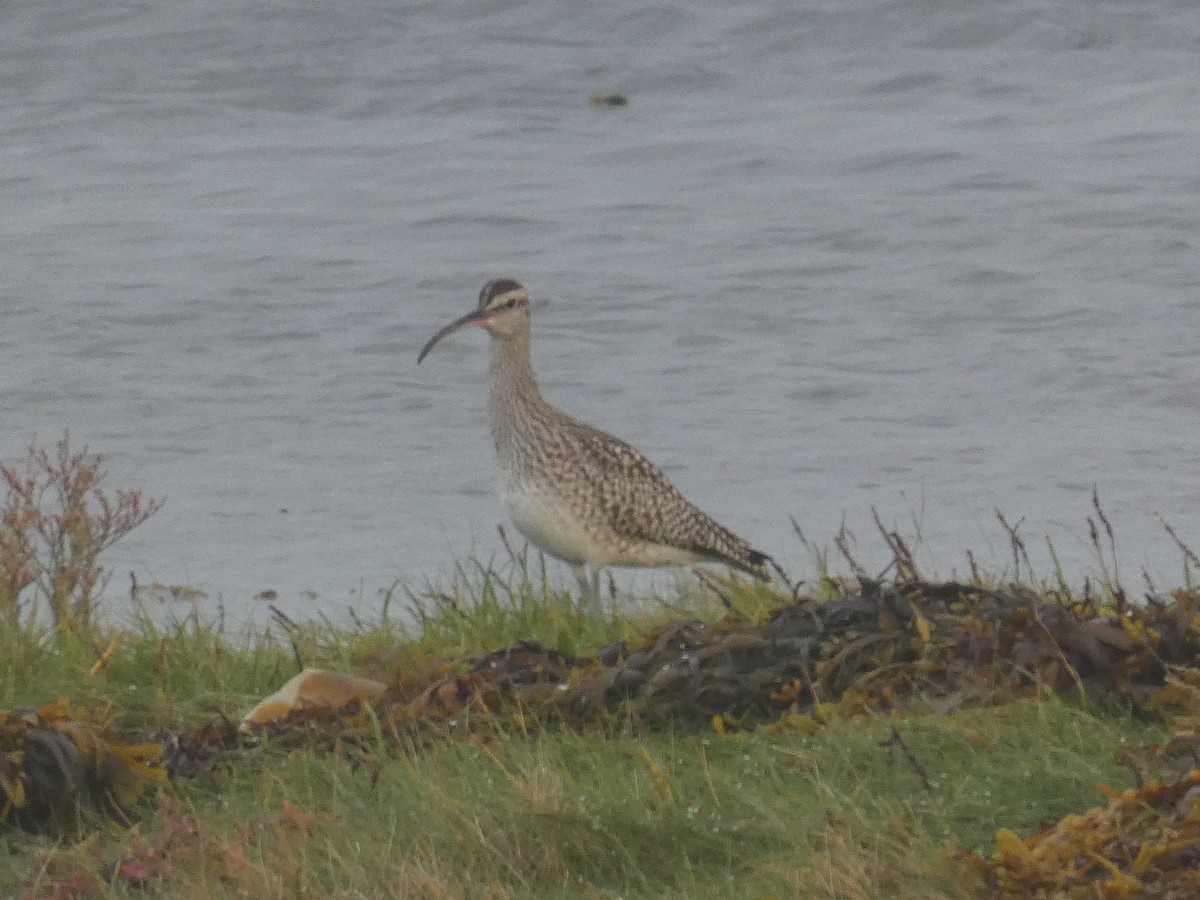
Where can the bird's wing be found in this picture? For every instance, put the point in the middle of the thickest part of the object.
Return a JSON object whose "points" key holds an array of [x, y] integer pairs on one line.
{"points": [[639, 502]]}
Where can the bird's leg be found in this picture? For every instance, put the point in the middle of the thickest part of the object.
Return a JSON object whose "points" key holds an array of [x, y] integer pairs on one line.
{"points": [[595, 586], [589, 587]]}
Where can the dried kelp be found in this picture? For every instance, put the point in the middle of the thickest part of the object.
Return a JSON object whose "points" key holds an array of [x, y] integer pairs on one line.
{"points": [[58, 766], [1144, 843], [946, 642]]}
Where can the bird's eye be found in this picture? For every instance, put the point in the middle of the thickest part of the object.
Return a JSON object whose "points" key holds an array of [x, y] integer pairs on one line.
{"points": [[512, 301]]}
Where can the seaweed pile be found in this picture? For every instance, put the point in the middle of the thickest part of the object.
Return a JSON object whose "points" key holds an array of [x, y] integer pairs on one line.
{"points": [[948, 643], [59, 767], [1144, 843]]}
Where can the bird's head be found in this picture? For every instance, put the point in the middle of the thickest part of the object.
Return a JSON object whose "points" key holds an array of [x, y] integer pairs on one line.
{"points": [[503, 310]]}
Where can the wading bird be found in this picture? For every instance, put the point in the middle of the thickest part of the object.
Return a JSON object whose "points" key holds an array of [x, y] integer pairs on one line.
{"points": [[576, 492]]}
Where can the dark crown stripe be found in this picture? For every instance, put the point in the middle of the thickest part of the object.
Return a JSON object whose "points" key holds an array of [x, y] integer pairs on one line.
{"points": [[495, 288]]}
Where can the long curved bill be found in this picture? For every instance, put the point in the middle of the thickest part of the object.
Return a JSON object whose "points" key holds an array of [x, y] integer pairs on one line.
{"points": [[474, 317]]}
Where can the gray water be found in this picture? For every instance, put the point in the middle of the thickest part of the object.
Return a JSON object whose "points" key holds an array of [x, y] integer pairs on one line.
{"points": [[932, 258]]}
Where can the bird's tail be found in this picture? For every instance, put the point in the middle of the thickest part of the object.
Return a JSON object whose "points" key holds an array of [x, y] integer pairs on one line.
{"points": [[758, 564]]}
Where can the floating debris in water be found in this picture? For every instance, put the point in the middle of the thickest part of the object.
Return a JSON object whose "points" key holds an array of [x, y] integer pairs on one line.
{"points": [[157, 592], [608, 100]]}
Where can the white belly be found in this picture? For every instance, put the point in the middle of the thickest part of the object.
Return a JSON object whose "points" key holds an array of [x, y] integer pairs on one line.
{"points": [[547, 522]]}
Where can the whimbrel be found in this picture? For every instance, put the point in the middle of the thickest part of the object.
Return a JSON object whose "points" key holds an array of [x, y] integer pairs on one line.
{"points": [[576, 492]]}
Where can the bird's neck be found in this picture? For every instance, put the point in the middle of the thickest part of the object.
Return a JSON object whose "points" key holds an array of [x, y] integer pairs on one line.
{"points": [[514, 396]]}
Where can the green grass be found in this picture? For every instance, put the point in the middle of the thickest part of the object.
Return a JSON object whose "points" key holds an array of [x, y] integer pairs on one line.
{"points": [[553, 814]]}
